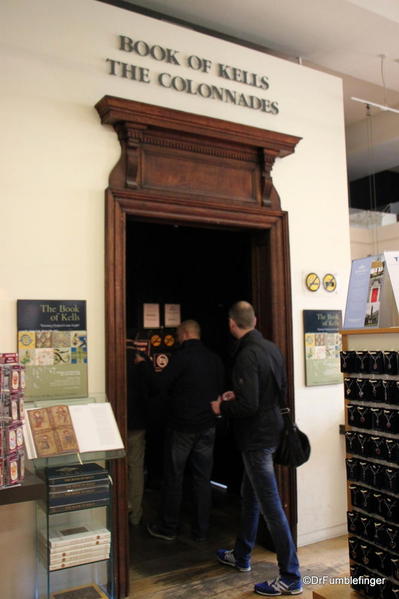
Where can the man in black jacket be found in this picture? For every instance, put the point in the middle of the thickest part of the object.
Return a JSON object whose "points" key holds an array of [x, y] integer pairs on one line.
{"points": [[193, 378], [259, 380]]}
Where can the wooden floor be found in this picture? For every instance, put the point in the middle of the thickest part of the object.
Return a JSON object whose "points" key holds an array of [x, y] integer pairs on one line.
{"points": [[184, 569]]}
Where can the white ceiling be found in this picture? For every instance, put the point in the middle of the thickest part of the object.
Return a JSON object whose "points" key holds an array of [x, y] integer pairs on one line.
{"points": [[344, 37]]}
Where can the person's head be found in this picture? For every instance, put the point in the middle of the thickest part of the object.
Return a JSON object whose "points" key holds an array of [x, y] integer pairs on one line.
{"points": [[188, 329], [241, 319]]}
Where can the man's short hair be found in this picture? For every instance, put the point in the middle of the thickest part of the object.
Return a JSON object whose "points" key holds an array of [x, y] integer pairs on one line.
{"points": [[191, 327], [243, 315]]}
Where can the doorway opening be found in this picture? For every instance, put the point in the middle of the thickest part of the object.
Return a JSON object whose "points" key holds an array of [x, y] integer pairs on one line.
{"points": [[185, 168], [204, 270]]}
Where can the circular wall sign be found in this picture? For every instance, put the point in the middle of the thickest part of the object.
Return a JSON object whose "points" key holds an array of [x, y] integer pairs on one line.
{"points": [[312, 281], [329, 282], [155, 341]]}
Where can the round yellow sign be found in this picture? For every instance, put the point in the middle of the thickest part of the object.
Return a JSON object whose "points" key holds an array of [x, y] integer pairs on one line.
{"points": [[155, 341], [329, 282], [169, 340], [312, 281]]}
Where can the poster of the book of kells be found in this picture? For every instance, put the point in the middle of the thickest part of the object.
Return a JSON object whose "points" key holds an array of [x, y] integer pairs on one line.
{"points": [[323, 344], [52, 345]]}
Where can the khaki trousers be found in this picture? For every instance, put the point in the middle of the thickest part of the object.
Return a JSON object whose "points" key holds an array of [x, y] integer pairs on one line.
{"points": [[136, 451]]}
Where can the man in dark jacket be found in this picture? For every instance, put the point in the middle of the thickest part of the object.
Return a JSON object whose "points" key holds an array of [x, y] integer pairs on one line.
{"points": [[259, 380], [193, 378]]}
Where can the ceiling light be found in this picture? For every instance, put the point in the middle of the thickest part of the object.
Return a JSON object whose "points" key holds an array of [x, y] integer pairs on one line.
{"points": [[380, 106], [384, 106]]}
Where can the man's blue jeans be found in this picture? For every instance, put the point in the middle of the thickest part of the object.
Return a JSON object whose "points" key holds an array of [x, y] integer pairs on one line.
{"points": [[259, 494]]}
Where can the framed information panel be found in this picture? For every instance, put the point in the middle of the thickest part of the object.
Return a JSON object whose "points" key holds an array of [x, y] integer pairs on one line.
{"points": [[322, 346]]}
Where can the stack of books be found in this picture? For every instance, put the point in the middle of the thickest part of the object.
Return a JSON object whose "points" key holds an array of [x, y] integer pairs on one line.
{"points": [[77, 487], [75, 546]]}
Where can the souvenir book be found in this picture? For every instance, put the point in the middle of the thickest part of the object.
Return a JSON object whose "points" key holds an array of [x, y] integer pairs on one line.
{"points": [[75, 473], [65, 550], [78, 551], [85, 558], [62, 429], [79, 505], [64, 537], [78, 486], [79, 495]]}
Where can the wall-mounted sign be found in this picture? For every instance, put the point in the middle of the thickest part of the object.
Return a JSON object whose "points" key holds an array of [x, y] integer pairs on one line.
{"points": [[329, 282], [167, 59], [322, 346], [52, 344], [312, 281], [172, 315], [151, 318]]}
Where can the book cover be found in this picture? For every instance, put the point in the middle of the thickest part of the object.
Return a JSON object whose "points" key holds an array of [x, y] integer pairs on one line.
{"points": [[73, 546], [79, 505], [97, 551], [78, 496], [78, 551], [77, 561], [61, 537], [59, 559], [74, 473], [79, 484], [87, 591], [52, 431]]}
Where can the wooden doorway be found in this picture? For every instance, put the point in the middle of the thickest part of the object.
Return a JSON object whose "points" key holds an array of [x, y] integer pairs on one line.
{"points": [[181, 168]]}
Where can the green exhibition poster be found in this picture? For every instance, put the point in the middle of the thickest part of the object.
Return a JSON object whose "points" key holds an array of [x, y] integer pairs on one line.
{"points": [[322, 346], [52, 345]]}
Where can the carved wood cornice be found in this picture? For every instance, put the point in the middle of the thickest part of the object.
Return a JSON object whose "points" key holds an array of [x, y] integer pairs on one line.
{"points": [[113, 110], [134, 135], [154, 137]]}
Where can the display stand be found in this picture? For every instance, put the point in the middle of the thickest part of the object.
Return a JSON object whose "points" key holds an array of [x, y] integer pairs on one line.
{"points": [[59, 576], [370, 363]]}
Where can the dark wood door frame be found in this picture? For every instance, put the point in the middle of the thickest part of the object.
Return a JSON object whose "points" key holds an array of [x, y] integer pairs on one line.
{"points": [[138, 190]]}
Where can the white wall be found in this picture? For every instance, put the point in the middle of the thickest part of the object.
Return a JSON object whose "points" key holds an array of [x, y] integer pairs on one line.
{"points": [[55, 162], [366, 242]]}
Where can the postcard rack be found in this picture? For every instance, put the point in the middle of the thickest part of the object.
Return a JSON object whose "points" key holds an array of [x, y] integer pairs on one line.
{"points": [[370, 366]]}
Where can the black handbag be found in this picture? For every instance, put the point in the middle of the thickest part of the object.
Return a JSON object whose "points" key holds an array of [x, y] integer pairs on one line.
{"points": [[294, 447]]}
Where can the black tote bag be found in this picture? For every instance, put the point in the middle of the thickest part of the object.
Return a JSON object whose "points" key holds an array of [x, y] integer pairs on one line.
{"points": [[294, 447]]}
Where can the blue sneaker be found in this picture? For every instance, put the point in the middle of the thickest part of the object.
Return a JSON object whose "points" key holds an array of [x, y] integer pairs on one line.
{"points": [[278, 587], [227, 557]]}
